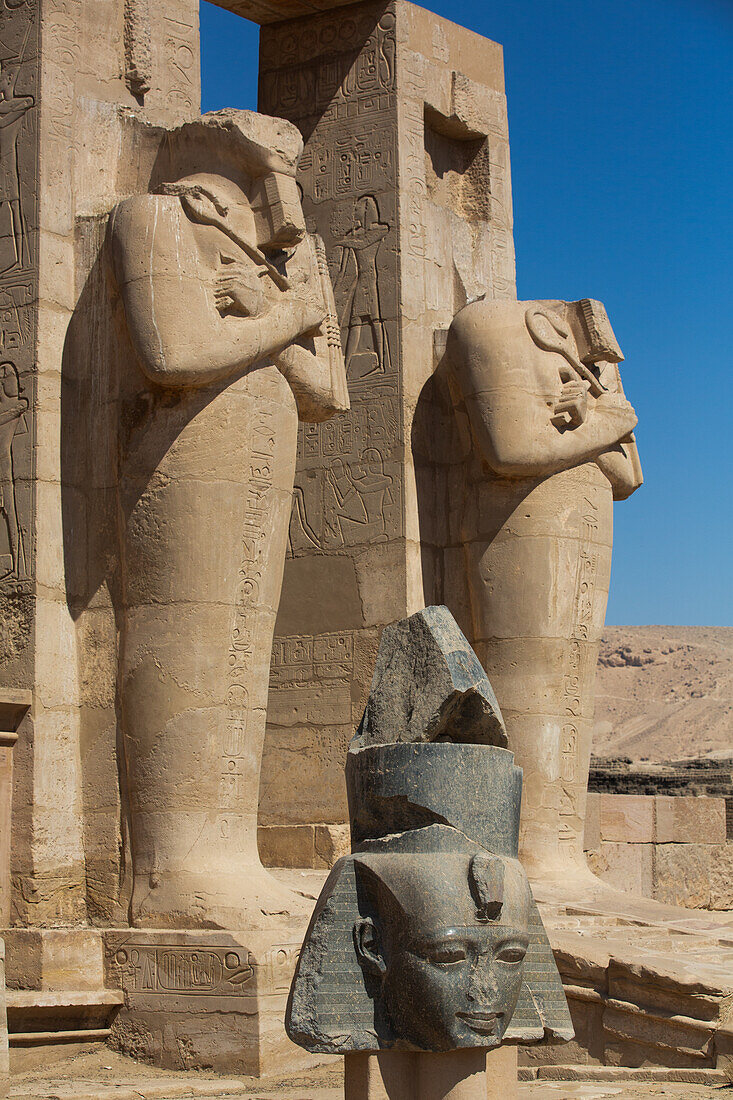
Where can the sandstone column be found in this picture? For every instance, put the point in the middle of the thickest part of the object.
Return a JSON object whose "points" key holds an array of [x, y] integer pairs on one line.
{"points": [[406, 176], [73, 73]]}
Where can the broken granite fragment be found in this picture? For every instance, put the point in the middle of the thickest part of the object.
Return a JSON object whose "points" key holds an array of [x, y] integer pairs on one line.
{"points": [[429, 685]]}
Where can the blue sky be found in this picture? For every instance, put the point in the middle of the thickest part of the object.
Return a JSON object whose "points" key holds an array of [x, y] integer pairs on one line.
{"points": [[621, 128]]}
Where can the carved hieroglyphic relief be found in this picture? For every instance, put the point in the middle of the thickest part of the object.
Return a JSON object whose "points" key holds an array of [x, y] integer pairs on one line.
{"points": [[575, 673], [13, 410], [363, 91], [243, 643], [347, 492], [300, 659], [201, 970], [18, 290], [182, 65], [170, 970]]}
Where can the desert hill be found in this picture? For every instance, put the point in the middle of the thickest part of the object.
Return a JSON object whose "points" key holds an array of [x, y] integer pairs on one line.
{"points": [[664, 692]]}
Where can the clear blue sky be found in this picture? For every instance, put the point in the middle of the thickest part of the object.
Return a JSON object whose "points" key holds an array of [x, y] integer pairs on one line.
{"points": [[621, 128]]}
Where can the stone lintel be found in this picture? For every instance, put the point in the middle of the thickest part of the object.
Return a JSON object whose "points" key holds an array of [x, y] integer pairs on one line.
{"points": [[275, 11]]}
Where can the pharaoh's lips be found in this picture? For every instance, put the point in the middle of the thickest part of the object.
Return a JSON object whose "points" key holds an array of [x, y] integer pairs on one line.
{"points": [[484, 1022]]}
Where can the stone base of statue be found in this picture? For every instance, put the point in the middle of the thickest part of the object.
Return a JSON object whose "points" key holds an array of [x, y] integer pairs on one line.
{"points": [[203, 998], [471, 1074], [4, 1059]]}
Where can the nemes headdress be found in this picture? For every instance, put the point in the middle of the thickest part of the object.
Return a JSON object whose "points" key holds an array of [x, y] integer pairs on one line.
{"points": [[434, 801]]}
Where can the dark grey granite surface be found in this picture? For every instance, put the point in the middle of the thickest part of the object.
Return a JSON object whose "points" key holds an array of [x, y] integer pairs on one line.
{"points": [[427, 937]]}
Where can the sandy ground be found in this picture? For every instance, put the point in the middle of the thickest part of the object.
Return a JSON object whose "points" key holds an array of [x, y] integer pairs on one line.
{"points": [[103, 1075]]}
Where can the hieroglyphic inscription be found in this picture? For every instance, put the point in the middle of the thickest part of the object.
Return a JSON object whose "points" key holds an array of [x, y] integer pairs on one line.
{"points": [[575, 671], [13, 422], [172, 969], [182, 65], [300, 659], [19, 65], [200, 970], [243, 643], [337, 80]]}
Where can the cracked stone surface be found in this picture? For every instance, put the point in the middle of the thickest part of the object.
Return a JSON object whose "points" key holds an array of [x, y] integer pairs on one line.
{"points": [[429, 685]]}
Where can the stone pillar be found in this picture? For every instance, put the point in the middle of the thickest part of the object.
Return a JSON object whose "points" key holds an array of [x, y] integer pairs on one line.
{"points": [[406, 176], [471, 1074], [73, 74]]}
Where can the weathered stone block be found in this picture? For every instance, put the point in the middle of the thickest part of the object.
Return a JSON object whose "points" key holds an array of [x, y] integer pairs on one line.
{"points": [[286, 845], [664, 818], [205, 999], [626, 866], [627, 818], [699, 820], [317, 846], [682, 874], [721, 877]]}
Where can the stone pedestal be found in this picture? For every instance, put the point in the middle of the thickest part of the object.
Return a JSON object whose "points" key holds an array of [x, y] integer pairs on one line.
{"points": [[4, 1059], [206, 999], [14, 705], [457, 1075], [405, 175]]}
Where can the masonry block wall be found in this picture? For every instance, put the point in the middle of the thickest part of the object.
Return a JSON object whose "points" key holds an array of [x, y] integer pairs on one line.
{"points": [[674, 850]]}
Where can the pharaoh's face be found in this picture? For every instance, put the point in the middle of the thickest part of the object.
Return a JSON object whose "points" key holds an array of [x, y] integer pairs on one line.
{"points": [[452, 972]]}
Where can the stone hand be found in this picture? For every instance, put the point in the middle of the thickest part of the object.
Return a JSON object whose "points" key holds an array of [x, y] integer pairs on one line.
{"points": [[310, 313], [238, 289], [572, 407]]}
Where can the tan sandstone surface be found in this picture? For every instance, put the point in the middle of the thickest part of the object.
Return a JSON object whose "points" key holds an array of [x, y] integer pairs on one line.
{"points": [[664, 692], [104, 1075]]}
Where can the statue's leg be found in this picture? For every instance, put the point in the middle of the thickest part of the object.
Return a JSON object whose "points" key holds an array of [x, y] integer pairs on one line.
{"points": [[539, 586], [203, 560]]}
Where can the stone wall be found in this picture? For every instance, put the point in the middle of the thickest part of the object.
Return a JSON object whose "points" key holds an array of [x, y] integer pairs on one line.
{"points": [[674, 850]]}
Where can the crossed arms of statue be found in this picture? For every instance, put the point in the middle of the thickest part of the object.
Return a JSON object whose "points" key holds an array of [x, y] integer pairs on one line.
{"points": [[201, 308], [535, 407]]}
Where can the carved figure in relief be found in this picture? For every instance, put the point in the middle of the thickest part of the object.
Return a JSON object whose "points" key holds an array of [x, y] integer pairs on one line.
{"points": [[358, 284], [12, 422], [356, 512], [230, 315], [538, 389], [13, 109]]}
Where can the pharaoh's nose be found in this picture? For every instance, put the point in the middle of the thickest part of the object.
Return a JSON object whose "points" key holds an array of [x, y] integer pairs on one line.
{"points": [[482, 987]]}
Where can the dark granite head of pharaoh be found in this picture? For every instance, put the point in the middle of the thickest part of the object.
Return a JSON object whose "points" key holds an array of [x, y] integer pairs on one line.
{"points": [[441, 941]]}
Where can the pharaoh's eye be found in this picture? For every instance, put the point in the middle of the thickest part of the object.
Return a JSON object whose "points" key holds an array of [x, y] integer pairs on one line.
{"points": [[447, 953], [511, 953], [442, 953]]}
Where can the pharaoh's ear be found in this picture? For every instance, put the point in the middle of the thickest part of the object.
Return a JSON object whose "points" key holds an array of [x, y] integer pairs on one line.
{"points": [[368, 949]]}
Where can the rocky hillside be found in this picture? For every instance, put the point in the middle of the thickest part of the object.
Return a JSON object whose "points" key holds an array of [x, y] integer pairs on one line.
{"points": [[664, 692]]}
